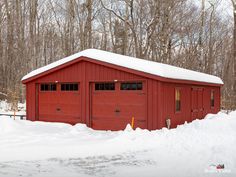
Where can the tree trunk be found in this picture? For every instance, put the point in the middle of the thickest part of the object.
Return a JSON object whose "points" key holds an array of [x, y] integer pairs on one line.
{"points": [[234, 53], [89, 23], [210, 62]]}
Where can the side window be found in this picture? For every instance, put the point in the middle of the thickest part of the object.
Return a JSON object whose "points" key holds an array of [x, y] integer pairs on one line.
{"points": [[48, 87], [105, 86], [212, 98], [177, 100], [131, 86], [69, 87]]}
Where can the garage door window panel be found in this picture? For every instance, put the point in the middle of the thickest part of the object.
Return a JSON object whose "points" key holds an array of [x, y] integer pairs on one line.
{"points": [[131, 86], [69, 87], [104, 86], [48, 87]]}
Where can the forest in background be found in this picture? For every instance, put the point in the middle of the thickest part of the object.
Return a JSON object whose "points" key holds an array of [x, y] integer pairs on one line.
{"points": [[190, 34]]}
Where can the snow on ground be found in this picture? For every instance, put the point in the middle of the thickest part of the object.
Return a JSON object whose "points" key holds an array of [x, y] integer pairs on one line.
{"points": [[41, 149]]}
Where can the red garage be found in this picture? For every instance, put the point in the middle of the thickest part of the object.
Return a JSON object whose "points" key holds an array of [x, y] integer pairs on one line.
{"points": [[105, 90]]}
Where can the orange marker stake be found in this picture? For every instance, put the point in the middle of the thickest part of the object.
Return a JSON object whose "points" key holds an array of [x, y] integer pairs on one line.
{"points": [[132, 123]]}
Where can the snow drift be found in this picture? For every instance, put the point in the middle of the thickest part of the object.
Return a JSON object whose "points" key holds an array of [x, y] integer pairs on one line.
{"points": [[189, 150]]}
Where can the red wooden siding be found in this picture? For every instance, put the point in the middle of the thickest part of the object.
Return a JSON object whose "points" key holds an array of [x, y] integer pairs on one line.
{"points": [[150, 106], [195, 102], [31, 101], [154, 100]]}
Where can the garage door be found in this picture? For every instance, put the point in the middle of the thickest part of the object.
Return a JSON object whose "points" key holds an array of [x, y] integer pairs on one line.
{"points": [[114, 104], [59, 102]]}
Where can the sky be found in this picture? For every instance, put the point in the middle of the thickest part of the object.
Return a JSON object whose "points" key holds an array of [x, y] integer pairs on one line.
{"points": [[226, 6]]}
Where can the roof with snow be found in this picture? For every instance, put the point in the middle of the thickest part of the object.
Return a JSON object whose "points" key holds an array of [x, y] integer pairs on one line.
{"points": [[154, 68]]}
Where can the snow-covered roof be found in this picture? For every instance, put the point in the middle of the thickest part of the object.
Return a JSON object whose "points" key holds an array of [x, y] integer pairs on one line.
{"points": [[142, 65]]}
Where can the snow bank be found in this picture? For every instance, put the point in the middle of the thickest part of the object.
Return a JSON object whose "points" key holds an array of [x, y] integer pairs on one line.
{"points": [[189, 150], [5, 107], [146, 66]]}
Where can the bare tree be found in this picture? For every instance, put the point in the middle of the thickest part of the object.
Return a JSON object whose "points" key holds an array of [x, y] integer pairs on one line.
{"points": [[234, 47], [34, 33]]}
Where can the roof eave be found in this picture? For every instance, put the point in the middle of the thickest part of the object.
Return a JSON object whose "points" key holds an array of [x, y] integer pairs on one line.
{"points": [[141, 73]]}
